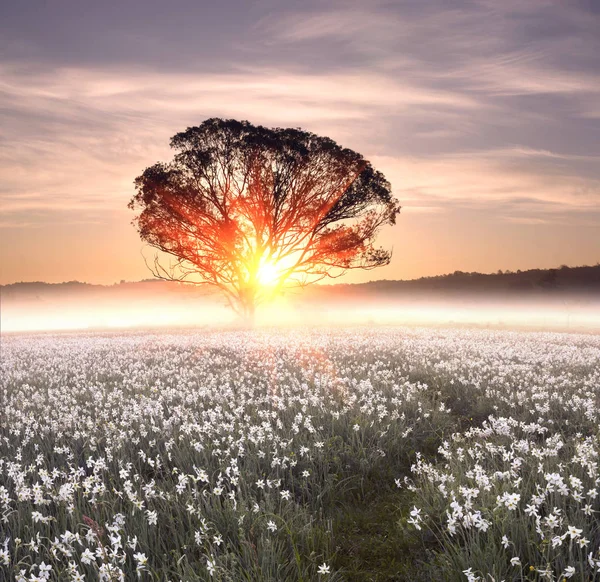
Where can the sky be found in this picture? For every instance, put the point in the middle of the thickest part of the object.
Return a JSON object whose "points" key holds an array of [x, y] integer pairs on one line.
{"points": [[483, 115]]}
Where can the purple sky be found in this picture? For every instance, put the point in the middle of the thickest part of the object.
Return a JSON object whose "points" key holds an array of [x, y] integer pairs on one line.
{"points": [[484, 116]]}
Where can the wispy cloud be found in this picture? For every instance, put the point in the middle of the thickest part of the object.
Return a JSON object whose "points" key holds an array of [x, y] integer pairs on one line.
{"points": [[95, 130], [492, 183], [487, 50]]}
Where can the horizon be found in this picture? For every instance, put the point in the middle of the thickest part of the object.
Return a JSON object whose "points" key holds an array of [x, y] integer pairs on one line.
{"points": [[483, 117], [338, 282]]}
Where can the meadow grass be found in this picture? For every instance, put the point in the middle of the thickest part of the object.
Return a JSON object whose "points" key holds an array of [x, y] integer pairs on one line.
{"points": [[349, 454]]}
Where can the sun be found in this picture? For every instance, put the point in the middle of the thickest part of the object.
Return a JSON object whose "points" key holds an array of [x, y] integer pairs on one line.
{"points": [[268, 273], [274, 270]]}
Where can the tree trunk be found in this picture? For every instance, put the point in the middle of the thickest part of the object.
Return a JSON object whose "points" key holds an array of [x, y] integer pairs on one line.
{"points": [[248, 316], [248, 308]]}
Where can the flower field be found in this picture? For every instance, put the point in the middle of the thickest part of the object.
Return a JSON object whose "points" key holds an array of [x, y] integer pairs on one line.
{"points": [[318, 454]]}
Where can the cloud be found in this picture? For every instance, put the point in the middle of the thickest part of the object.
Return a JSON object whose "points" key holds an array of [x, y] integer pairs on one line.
{"points": [[486, 50], [76, 138], [295, 95], [530, 220], [494, 183], [527, 152], [96, 129]]}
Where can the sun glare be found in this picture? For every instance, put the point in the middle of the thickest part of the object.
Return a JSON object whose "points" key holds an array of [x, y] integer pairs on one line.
{"points": [[268, 273]]}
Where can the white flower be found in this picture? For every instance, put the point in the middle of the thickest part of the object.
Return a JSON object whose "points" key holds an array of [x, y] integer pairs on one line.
{"points": [[271, 526], [5, 557], [141, 560], [45, 569], [36, 516], [324, 569], [87, 557], [152, 517], [531, 510], [470, 575], [551, 521], [546, 573], [512, 501], [211, 566], [516, 561], [569, 571]]}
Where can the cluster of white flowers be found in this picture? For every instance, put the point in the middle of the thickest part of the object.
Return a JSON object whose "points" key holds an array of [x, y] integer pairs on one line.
{"points": [[183, 434], [527, 477], [139, 454]]}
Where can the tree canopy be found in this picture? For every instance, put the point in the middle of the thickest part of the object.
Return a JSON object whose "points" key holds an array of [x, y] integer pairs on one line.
{"points": [[252, 210]]}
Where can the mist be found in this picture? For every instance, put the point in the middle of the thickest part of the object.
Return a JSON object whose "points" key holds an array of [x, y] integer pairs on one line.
{"points": [[33, 307]]}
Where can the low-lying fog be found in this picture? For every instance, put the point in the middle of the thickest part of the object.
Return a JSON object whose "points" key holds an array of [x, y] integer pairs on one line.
{"points": [[39, 307]]}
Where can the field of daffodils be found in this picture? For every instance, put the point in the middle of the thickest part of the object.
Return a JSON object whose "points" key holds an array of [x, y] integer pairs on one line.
{"points": [[321, 454]]}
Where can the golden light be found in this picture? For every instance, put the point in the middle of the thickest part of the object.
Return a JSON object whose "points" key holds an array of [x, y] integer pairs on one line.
{"points": [[269, 272]]}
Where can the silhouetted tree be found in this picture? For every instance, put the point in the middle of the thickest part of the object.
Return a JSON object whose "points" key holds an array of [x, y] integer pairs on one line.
{"points": [[252, 210]]}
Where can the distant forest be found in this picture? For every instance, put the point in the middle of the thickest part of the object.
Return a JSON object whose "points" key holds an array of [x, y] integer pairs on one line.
{"points": [[571, 279], [584, 279]]}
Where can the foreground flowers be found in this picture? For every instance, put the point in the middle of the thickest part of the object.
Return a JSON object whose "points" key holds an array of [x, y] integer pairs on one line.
{"points": [[219, 455]]}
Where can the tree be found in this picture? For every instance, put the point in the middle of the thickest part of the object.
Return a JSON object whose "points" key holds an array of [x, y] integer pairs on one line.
{"points": [[253, 210]]}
